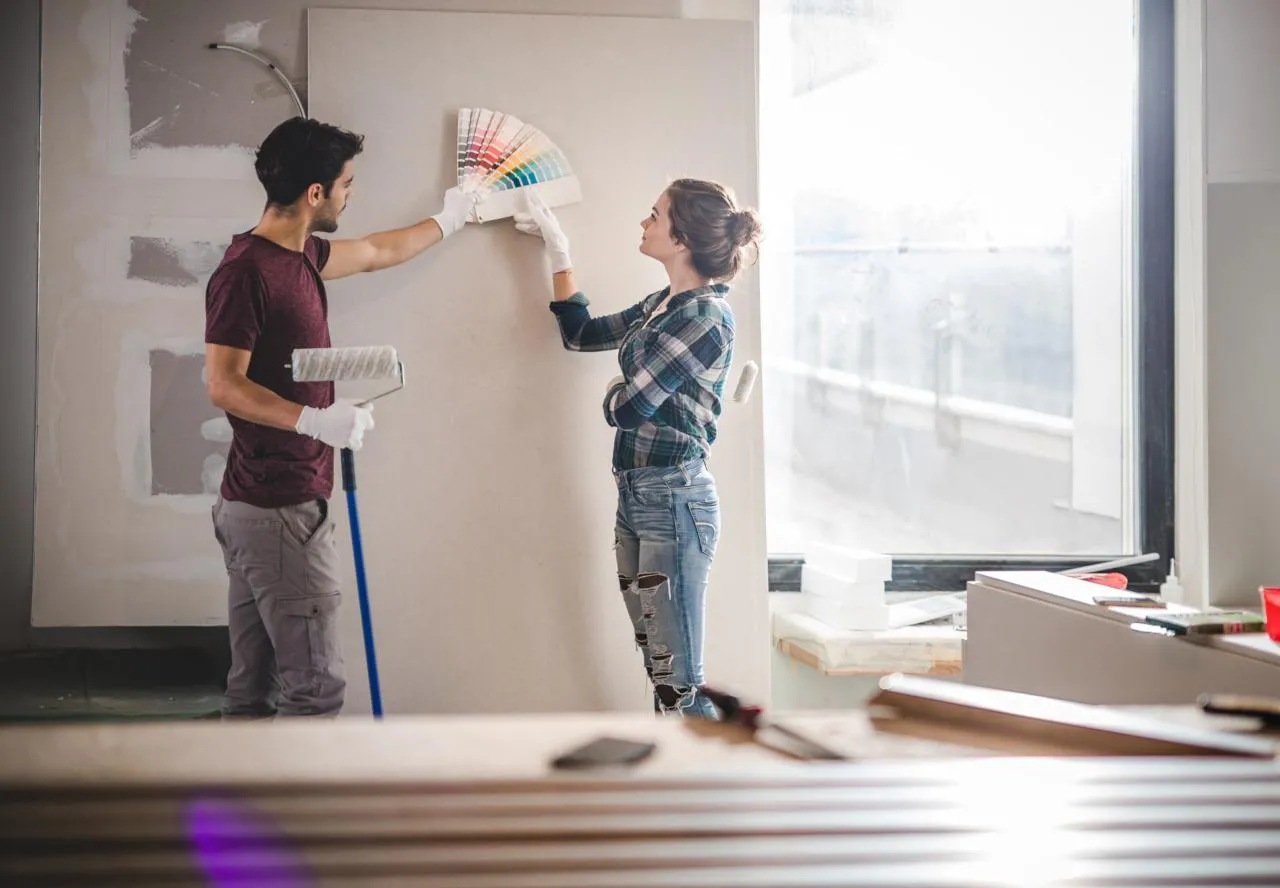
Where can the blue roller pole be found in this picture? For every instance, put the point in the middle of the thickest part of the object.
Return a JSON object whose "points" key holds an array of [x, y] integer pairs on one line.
{"points": [[366, 621]]}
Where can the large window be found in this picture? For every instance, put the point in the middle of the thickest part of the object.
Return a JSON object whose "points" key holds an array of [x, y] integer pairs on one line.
{"points": [[968, 336]]}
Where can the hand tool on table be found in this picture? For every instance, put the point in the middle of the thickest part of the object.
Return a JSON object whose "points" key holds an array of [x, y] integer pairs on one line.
{"points": [[765, 730]]}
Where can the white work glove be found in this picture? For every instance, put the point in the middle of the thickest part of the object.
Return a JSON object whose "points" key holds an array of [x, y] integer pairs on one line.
{"points": [[457, 207], [539, 220], [341, 425]]}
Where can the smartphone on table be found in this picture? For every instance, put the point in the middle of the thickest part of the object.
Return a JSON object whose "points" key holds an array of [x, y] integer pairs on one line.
{"points": [[603, 752]]}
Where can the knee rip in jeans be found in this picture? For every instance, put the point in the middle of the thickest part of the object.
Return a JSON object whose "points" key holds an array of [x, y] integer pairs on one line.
{"points": [[671, 697], [638, 585]]}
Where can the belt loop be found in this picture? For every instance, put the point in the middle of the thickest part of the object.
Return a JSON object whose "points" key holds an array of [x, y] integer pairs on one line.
{"points": [[685, 473]]}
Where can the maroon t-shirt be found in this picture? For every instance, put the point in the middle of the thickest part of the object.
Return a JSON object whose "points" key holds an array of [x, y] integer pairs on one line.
{"points": [[269, 300]]}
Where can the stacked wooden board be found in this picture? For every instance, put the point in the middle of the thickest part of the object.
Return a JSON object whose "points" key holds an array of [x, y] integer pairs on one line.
{"points": [[919, 823]]}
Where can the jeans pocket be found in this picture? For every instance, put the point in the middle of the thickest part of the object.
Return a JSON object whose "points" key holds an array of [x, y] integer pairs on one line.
{"points": [[652, 496], [706, 523]]}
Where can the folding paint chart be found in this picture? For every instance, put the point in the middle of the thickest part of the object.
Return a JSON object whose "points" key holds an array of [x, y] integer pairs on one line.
{"points": [[504, 159]]}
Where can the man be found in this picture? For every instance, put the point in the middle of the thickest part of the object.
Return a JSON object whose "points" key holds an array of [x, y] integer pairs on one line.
{"points": [[266, 298]]}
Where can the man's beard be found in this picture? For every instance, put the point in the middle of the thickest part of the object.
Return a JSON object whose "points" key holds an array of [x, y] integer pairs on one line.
{"points": [[326, 224]]}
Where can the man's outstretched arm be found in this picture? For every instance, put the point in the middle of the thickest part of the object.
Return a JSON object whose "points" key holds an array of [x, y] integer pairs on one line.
{"points": [[385, 249]]}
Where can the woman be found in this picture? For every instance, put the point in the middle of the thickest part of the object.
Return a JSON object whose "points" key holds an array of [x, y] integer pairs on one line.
{"points": [[675, 348]]}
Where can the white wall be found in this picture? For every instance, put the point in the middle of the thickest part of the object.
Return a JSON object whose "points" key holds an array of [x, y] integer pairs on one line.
{"points": [[108, 551], [1243, 234], [1228, 298], [489, 524], [1243, 48]]}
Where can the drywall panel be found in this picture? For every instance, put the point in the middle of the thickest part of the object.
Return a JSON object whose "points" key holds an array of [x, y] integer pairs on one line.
{"points": [[1243, 225], [1018, 643], [1242, 64], [132, 218], [125, 459], [486, 493]]}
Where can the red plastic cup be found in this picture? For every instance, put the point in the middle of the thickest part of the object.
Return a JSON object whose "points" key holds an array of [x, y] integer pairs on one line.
{"points": [[1271, 610]]}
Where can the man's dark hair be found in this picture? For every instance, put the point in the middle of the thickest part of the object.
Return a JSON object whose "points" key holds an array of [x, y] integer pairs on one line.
{"points": [[300, 153]]}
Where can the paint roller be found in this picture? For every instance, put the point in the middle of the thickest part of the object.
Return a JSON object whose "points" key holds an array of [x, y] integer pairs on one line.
{"points": [[347, 365], [746, 382]]}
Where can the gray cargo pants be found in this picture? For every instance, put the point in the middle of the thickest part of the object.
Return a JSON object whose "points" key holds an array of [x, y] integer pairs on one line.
{"points": [[282, 610]]}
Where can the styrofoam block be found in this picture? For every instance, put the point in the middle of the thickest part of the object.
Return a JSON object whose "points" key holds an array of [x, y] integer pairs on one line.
{"points": [[825, 584], [846, 616], [856, 565], [785, 603]]}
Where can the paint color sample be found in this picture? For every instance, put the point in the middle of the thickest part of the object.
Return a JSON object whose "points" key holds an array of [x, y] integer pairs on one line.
{"points": [[499, 152]]}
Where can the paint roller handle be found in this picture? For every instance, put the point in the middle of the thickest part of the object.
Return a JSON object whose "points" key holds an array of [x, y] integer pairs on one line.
{"points": [[348, 470]]}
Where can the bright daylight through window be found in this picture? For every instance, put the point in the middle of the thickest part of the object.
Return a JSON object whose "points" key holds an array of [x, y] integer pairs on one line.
{"points": [[949, 326]]}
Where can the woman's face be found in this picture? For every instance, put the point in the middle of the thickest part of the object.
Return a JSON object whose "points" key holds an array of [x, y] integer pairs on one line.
{"points": [[656, 241]]}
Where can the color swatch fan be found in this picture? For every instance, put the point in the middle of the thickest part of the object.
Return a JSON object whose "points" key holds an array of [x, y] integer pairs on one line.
{"points": [[504, 158]]}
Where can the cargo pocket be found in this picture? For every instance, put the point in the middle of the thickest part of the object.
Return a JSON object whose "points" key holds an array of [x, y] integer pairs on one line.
{"points": [[309, 656], [706, 523]]}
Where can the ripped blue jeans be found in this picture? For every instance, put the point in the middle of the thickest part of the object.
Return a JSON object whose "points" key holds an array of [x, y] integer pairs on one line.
{"points": [[667, 529]]}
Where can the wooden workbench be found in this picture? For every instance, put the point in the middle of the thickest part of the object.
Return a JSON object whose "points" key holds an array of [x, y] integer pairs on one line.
{"points": [[406, 748], [448, 802]]}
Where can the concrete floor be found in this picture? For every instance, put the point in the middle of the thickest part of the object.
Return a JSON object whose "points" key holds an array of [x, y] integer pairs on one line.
{"points": [[108, 685]]}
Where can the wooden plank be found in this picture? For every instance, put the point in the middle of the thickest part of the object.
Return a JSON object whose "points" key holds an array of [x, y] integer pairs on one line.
{"points": [[887, 663], [1075, 594], [913, 650], [506, 857], [1065, 822], [1096, 730]]}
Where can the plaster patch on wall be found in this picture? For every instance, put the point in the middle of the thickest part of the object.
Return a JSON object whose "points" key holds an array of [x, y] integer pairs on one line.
{"points": [[134, 258], [173, 262], [211, 473], [175, 397], [138, 136], [179, 571], [215, 429], [179, 95], [246, 35], [182, 458], [182, 90]]}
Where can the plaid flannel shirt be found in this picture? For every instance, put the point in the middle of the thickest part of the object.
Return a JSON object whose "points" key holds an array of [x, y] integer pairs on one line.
{"points": [[674, 366]]}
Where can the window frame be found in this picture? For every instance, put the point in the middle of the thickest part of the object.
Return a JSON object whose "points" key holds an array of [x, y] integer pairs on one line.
{"points": [[1153, 354]]}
